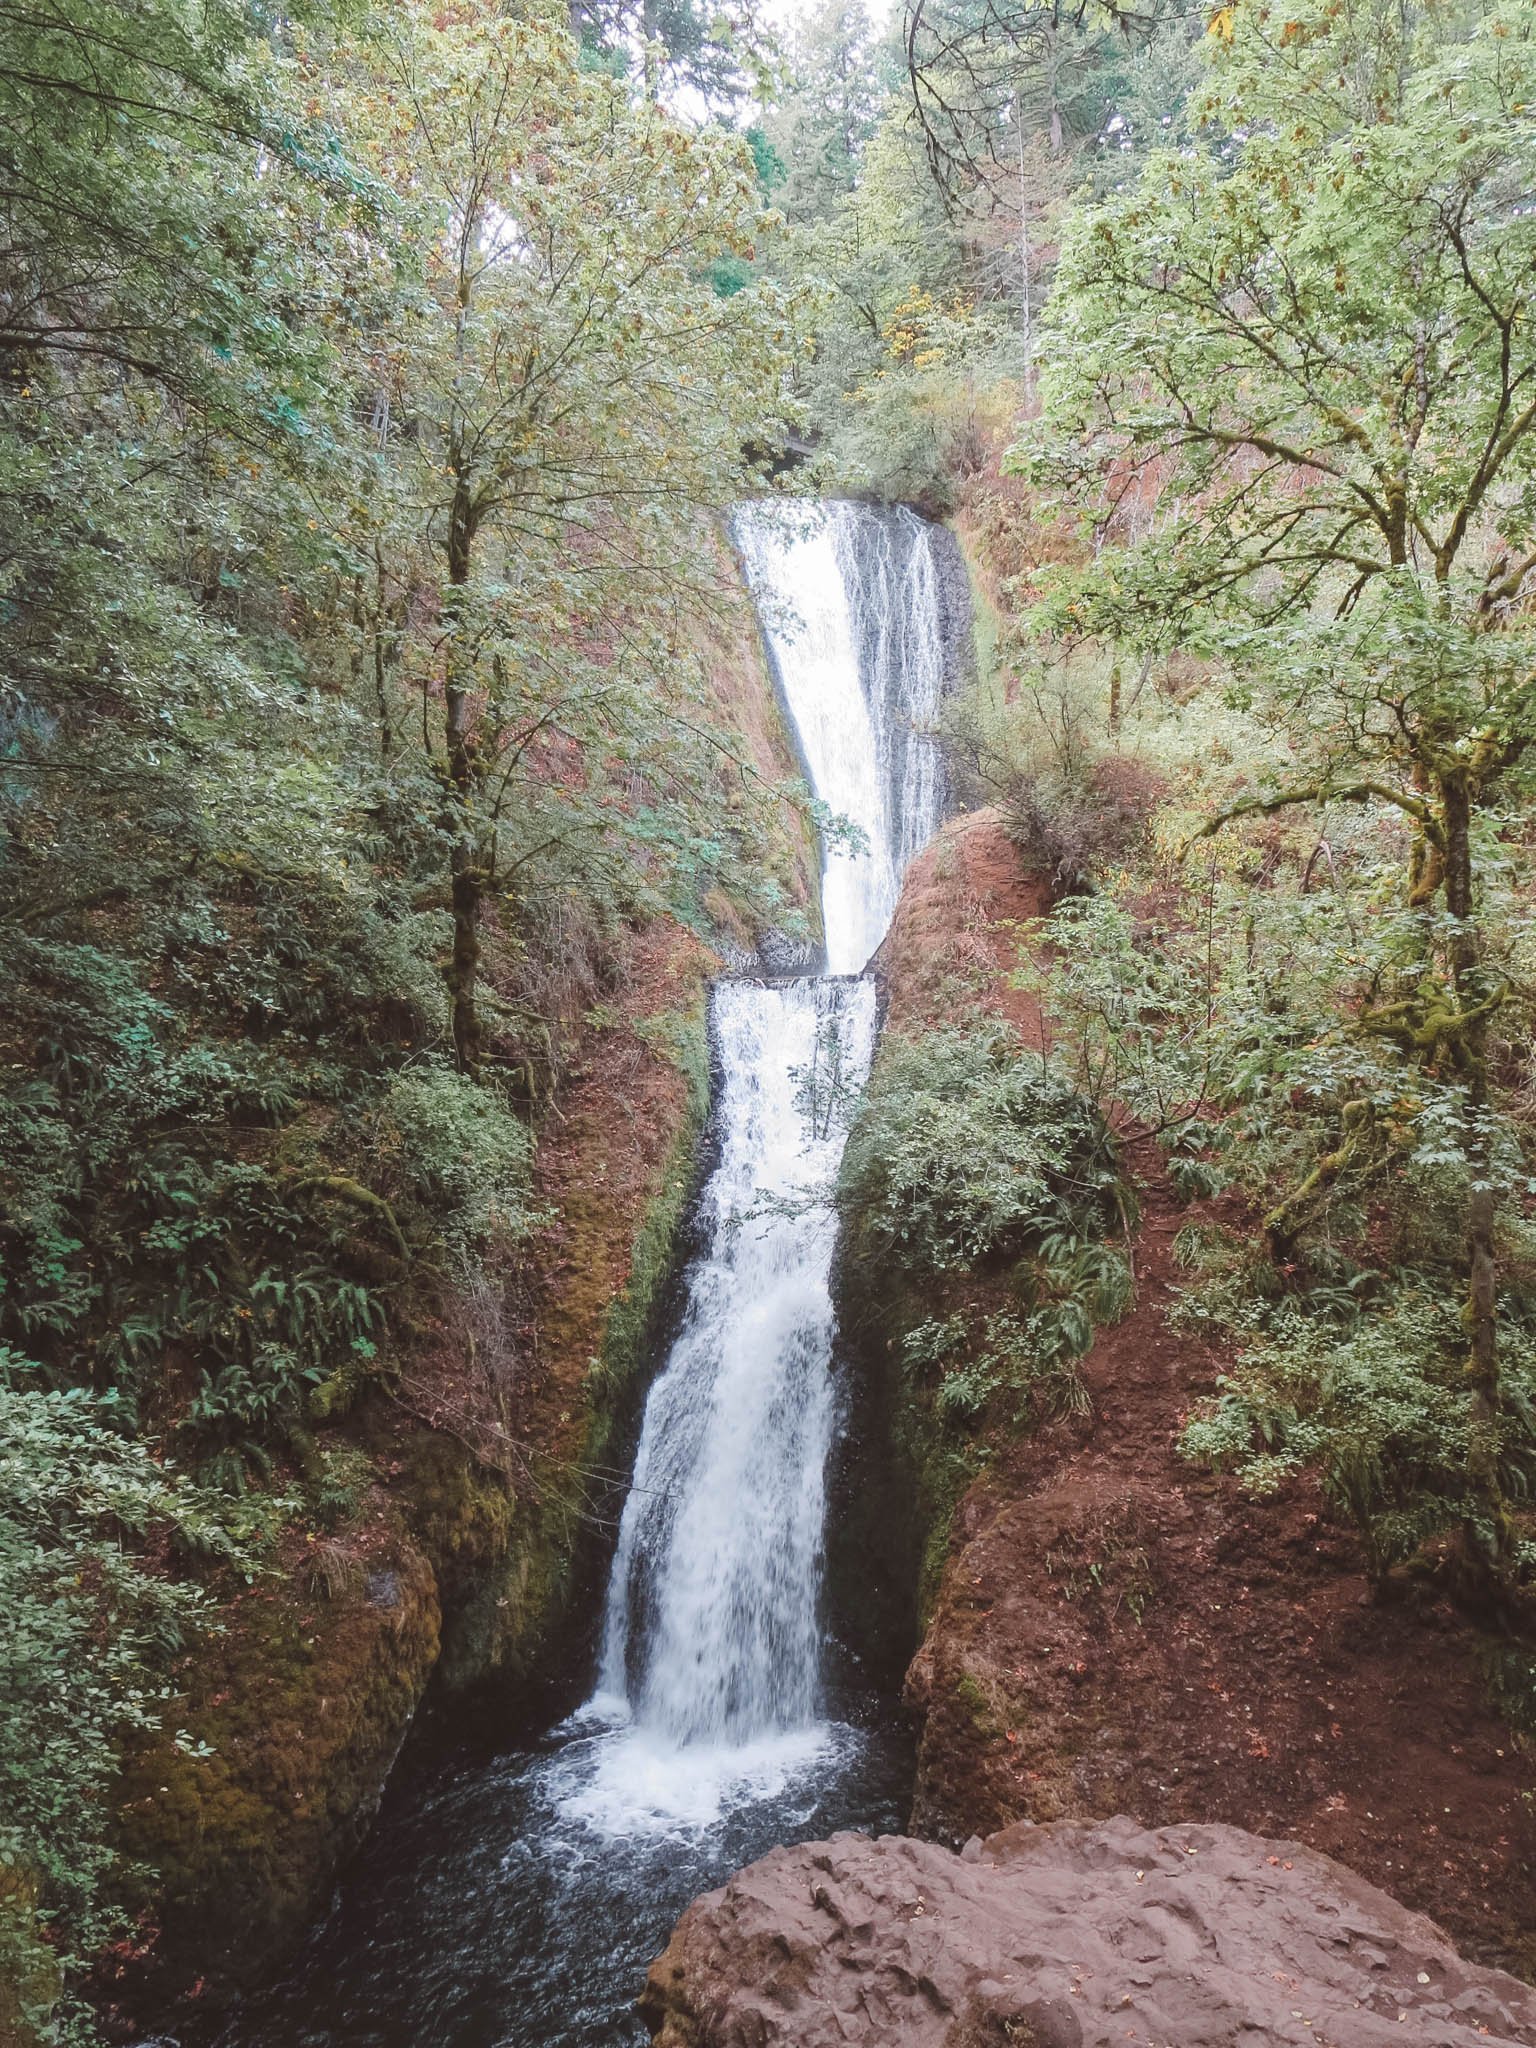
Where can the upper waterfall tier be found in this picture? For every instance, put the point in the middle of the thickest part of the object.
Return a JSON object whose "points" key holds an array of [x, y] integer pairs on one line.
{"points": [[854, 594]]}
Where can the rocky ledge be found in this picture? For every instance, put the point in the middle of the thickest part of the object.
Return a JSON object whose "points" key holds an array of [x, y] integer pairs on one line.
{"points": [[1071, 1935]]}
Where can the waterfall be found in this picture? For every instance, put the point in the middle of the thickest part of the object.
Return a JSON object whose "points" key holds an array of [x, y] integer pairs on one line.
{"points": [[852, 607], [711, 1625], [711, 1633], [518, 1899]]}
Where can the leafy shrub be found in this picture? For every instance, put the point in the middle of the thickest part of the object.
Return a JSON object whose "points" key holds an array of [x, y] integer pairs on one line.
{"points": [[1379, 1407], [1073, 827], [969, 1156], [1025, 1364], [136, 1227], [1241, 1035], [340, 1480], [90, 1631], [461, 1157], [967, 1148]]}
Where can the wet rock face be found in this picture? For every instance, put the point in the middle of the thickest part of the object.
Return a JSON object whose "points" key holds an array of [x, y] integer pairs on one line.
{"points": [[1072, 1935]]}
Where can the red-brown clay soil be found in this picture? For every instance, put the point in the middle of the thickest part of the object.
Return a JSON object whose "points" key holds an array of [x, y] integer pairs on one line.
{"points": [[966, 906], [602, 1160], [1118, 1631]]}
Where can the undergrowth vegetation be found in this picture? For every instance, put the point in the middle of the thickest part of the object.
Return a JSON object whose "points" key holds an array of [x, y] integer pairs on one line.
{"points": [[970, 1161], [89, 1639], [1362, 1385], [965, 1149], [1238, 1036]]}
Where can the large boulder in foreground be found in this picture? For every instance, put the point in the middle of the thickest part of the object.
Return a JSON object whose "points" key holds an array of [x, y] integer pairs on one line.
{"points": [[1074, 1935]]}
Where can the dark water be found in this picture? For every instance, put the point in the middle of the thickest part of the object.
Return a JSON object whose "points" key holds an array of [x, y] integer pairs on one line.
{"points": [[517, 1903]]}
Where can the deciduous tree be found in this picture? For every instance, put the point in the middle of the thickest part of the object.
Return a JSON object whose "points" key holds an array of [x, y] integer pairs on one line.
{"points": [[1313, 329]]}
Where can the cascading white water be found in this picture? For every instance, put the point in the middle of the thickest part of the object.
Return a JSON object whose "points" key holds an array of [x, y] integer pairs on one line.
{"points": [[711, 1623], [891, 573], [712, 1632], [849, 598]]}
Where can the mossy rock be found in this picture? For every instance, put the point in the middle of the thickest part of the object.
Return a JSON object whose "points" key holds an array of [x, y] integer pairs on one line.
{"points": [[900, 1475], [511, 1620], [303, 1702]]}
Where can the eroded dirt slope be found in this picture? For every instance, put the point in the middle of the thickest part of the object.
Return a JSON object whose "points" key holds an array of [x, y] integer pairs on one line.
{"points": [[1116, 1631]]}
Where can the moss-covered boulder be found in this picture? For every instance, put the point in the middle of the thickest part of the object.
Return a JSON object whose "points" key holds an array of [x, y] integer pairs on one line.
{"points": [[296, 1711]]}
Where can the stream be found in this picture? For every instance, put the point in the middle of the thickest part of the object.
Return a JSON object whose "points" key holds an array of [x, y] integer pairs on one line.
{"points": [[516, 1903]]}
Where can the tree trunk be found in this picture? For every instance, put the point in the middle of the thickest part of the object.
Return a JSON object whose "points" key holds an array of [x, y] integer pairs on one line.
{"points": [[1426, 862], [465, 866], [464, 963], [1026, 316], [381, 662], [1491, 1548]]}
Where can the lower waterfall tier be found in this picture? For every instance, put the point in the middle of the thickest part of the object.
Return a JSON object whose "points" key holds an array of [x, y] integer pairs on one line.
{"points": [[713, 1632]]}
